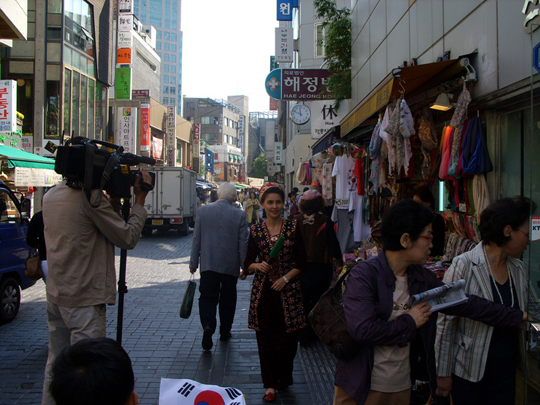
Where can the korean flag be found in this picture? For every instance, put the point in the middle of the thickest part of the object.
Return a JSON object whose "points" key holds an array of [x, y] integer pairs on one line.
{"points": [[189, 392]]}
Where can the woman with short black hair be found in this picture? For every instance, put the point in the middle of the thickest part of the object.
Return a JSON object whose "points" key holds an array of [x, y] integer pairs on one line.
{"points": [[475, 362], [396, 342]]}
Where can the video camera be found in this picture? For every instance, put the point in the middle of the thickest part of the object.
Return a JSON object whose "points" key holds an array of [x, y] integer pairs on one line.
{"points": [[90, 164]]}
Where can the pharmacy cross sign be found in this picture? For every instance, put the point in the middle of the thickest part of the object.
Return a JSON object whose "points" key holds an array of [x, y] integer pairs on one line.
{"points": [[273, 84], [536, 57]]}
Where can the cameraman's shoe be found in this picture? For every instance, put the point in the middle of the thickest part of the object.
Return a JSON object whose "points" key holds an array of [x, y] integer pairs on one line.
{"points": [[207, 343]]}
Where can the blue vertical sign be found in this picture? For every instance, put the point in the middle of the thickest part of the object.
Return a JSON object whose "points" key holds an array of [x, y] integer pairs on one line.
{"points": [[209, 161], [284, 10], [536, 57]]}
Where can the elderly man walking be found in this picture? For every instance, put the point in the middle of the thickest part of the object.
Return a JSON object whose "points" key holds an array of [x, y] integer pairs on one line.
{"points": [[219, 242]]}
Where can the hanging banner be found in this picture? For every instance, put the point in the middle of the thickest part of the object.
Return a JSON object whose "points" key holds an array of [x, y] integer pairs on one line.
{"points": [[30, 177], [157, 148], [324, 116], [126, 120], [125, 22], [273, 104], [196, 140], [171, 136], [284, 10], [123, 56], [122, 88], [284, 45], [278, 153], [145, 127], [298, 84], [125, 6], [124, 39], [8, 105]]}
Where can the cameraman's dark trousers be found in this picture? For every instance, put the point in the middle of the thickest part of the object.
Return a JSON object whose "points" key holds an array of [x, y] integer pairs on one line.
{"points": [[217, 288]]}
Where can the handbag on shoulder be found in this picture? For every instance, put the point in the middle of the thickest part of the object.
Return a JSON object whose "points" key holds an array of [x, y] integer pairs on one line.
{"points": [[187, 302], [32, 267], [328, 321]]}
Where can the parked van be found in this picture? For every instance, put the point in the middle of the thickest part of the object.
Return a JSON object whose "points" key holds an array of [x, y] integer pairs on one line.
{"points": [[14, 218]]}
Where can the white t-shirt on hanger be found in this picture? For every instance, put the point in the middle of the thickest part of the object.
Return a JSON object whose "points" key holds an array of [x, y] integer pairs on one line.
{"points": [[345, 180]]}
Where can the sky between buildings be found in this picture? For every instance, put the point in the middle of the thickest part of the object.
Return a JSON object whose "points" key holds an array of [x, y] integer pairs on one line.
{"points": [[227, 46]]}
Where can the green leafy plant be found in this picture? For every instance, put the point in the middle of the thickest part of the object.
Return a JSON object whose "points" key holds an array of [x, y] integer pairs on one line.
{"points": [[337, 47]]}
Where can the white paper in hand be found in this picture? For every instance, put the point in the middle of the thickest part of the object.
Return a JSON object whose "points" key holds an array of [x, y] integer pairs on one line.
{"points": [[189, 392]]}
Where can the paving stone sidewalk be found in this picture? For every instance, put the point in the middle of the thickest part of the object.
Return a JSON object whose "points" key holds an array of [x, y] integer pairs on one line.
{"points": [[159, 342]]}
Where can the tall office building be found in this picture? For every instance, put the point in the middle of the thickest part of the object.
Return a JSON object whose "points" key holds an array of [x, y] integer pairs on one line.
{"points": [[164, 15]]}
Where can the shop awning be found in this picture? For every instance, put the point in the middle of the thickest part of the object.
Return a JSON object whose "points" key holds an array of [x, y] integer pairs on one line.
{"points": [[414, 79], [325, 141], [240, 187], [20, 158]]}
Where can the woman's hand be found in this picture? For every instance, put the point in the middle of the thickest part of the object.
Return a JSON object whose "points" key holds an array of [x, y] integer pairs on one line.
{"points": [[444, 386], [420, 313], [279, 284], [264, 267]]}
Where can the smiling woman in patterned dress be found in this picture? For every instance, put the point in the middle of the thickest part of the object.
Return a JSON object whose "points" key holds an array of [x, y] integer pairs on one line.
{"points": [[276, 310]]}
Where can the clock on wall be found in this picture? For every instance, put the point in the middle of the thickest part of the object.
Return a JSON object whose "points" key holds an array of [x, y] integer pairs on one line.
{"points": [[300, 114]]}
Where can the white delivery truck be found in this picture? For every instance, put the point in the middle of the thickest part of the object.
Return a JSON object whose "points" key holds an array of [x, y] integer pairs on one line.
{"points": [[172, 204]]}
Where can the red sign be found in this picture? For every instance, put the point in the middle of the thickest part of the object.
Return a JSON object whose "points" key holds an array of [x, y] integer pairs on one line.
{"points": [[140, 93], [304, 84], [273, 104], [145, 127]]}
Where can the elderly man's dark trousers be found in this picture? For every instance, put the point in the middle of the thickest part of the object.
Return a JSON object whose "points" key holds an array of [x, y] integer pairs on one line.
{"points": [[217, 288]]}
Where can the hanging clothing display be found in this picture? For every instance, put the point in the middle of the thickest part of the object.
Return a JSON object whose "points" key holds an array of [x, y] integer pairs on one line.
{"points": [[428, 139], [345, 181], [475, 157], [375, 155], [327, 181]]}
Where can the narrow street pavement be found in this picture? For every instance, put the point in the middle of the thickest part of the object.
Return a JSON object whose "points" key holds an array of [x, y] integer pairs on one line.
{"points": [[159, 342]]}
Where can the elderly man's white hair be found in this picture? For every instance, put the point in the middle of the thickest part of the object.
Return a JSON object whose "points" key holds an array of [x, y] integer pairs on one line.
{"points": [[227, 191]]}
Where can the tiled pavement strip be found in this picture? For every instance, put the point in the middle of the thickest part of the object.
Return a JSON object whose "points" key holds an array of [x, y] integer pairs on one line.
{"points": [[159, 343]]}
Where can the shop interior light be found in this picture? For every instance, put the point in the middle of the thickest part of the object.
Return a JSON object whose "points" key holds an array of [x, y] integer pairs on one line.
{"points": [[442, 103]]}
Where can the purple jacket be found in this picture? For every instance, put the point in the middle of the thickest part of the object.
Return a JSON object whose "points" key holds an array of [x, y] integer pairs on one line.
{"points": [[368, 302]]}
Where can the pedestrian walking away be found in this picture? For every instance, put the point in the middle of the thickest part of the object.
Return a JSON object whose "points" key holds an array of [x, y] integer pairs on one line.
{"points": [[219, 247]]}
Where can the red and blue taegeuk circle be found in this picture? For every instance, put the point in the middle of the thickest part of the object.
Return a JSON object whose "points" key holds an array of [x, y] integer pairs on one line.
{"points": [[209, 398]]}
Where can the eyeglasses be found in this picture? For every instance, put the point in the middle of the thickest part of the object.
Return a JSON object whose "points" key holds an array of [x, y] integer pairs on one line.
{"points": [[524, 233], [428, 237]]}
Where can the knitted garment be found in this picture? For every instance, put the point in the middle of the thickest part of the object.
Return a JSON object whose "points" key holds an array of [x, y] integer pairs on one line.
{"points": [[458, 119]]}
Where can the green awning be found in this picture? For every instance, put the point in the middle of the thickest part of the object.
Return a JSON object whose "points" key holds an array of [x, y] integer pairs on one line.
{"points": [[20, 158], [239, 186]]}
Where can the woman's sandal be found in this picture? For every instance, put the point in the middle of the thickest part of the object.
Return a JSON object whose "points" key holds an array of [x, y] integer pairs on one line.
{"points": [[269, 396]]}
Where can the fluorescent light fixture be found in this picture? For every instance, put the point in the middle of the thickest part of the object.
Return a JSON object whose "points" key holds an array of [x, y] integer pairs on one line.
{"points": [[442, 103]]}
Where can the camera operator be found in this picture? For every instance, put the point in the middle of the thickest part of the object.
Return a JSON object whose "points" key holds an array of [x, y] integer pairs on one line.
{"points": [[80, 251]]}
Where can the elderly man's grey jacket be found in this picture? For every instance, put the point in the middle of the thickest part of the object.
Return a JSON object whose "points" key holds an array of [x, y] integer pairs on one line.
{"points": [[220, 238]]}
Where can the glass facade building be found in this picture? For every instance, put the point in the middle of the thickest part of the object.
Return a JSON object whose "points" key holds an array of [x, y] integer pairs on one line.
{"points": [[164, 15]]}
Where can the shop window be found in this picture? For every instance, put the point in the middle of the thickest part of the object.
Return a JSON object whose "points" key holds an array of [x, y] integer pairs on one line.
{"points": [[67, 102], [52, 124], [83, 108], [91, 109], [75, 101], [319, 40]]}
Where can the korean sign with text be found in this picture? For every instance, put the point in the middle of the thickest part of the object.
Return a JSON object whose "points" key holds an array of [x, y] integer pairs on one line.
{"points": [[298, 84], [8, 105]]}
